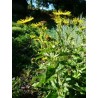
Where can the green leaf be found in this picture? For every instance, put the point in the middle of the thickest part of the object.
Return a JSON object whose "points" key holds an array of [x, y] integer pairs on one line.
{"points": [[52, 94], [50, 72], [53, 84], [41, 78], [68, 79]]}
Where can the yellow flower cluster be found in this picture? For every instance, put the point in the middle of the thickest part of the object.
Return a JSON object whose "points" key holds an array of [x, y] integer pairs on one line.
{"points": [[60, 20], [57, 19], [60, 17], [39, 24], [23, 21], [59, 12], [77, 21], [66, 21]]}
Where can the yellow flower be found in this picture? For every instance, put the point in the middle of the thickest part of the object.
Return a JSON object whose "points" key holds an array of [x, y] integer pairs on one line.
{"points": [[58, 19], [57, 13], [66, 21], [22, 21], [68, 13], [39, 24], [77, 20]]}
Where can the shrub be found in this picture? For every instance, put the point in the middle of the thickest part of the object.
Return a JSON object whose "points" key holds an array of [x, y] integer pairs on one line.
{"points": [[57, 68]]}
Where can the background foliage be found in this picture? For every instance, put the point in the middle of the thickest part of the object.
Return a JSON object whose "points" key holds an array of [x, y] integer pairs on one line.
{"points": [[75, 6]]}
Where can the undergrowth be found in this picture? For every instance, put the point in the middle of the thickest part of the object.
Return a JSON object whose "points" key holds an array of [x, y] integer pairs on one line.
{"points": [[49, 63]]}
